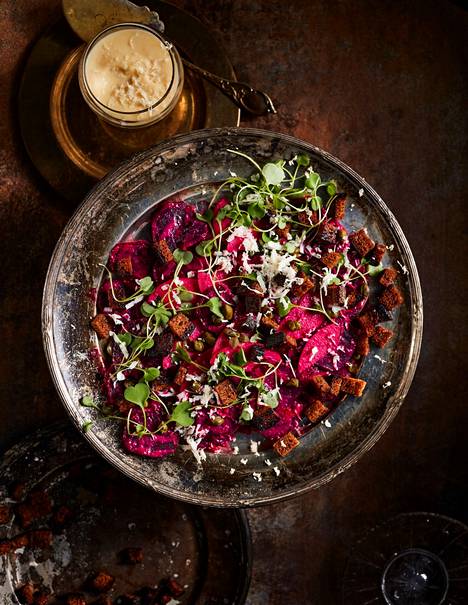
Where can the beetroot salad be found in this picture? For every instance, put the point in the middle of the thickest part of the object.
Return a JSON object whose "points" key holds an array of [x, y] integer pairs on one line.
{"points": [[245, 313]]}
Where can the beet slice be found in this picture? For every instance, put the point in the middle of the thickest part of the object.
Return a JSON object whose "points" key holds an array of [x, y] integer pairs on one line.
{"points": [[317, 347], [150, 446], [140, 254], [175, 222]]}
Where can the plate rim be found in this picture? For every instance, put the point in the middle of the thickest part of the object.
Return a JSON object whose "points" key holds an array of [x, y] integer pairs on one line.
{"points": [[392, 409]]}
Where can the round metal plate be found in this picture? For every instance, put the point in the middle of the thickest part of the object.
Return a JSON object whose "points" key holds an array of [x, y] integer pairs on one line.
{"points": [[207, 551], [66, 141], [187, 166]]}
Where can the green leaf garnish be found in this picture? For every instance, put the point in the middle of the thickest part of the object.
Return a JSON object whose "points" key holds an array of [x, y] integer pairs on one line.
{"points": [[125, 337], [283, 305], [146, 285], [316, 202], [247, 413], [182, 354], [214, 305], [313, 180], [182, 257], [87, 401], [137, 394], [256, 211], [373, 270], [204, 248], [273, 174], [87, 425], [151, 374], [331, 188], [302, 159], [240, 358], [180, 414]]}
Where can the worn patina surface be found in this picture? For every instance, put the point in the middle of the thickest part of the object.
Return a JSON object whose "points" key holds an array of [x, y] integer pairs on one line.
{"points": [[383, 86]]}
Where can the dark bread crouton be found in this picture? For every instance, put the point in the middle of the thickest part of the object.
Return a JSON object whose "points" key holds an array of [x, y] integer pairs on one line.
{"points": [[331, 259], [75, 598], [299, 290], [339, 207], [175, 589], [377, 253], [316, 410], [388, 276], [25, 593], [361, 242], [381, 336], [124, 267], [308, 218], [353, 386], [36, 506], [40, 538], [252, 304], [269, 323], [391, 297], [336, 294], [180, 376], [264, 418], [5, 514], [327, 232], [163, 252], [101, 325], [101, 581], [131, 555], [320, 385], [283, 233], [335, 386], [181, 326], [367, 321], [285, 444], [362, 345], [163, 344], [226, 392]]}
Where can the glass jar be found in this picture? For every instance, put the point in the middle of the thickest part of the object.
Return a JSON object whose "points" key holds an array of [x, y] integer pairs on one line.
{"points": [[130, 76]]}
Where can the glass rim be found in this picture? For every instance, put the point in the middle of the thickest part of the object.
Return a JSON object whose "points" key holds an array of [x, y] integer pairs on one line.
{"points": [[102, 34]]}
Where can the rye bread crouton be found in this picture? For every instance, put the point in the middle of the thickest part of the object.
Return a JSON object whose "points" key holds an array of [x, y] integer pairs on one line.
{"points": [[353, 386], [307, 218], [101, 325], [367, 322], [25, 593], [377, 253], [320, 385], [316, 410], [307, 285], [391, 297], [226, 392], [362, 345], [381, 336], [124, 267], [163, 252], [131, 555], [361, 242], [264, 418], [285, 444], [327, 232], [269, 323], [336, 295], [339, 207], [101, 581], [331, 259], [335, 386], [275, 340], [181, 326], [388, 276], [180, 376], [283, 233]]}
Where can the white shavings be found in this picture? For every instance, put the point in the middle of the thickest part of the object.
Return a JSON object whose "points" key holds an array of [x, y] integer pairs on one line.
{"points": [[122, 346], [361, 192], [387, 384], [391, 247], [254, 447], [313, 353], [336, 359], [134, 302], [328, 278], [199, 455], [277, 471], [178, 281], [248, 240], [117, 319], [190, 273], [327, 424], [121, 376], [223, 261], [244, 460], [232, 173], [267, 462], [174, 601], [232, 471], [382, 361], [257, 477], [235, 450], [245, 263], [403, 268]]}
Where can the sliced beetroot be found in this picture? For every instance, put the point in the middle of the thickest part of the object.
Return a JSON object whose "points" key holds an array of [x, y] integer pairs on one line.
{"points": [[140, 254], [151, 446], [309, 321], [196, 231], [338, 360], [169, 222], [319, 345]]}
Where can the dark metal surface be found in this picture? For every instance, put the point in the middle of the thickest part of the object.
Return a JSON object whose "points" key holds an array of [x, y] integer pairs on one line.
{"points": [[208, 551], [122, 203], [382, 85]]}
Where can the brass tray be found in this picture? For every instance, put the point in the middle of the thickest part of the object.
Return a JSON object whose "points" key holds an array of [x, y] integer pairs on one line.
{"points": [[66, 141]]}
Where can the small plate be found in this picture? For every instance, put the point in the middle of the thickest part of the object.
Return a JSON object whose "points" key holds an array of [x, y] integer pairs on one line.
{"points": [[187, 167], [208, 552], [66, 141]]}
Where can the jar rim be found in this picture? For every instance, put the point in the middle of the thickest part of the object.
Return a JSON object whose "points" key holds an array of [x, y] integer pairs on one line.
{"points": [[102, 34]]}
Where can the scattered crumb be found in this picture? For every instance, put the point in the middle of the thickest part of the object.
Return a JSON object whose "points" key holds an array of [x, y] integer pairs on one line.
{"points": [[361, 192], [380, 359], [268, 462], [244, 460], [257, 476], [232, 471], [277, 471], [386, 385]]}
